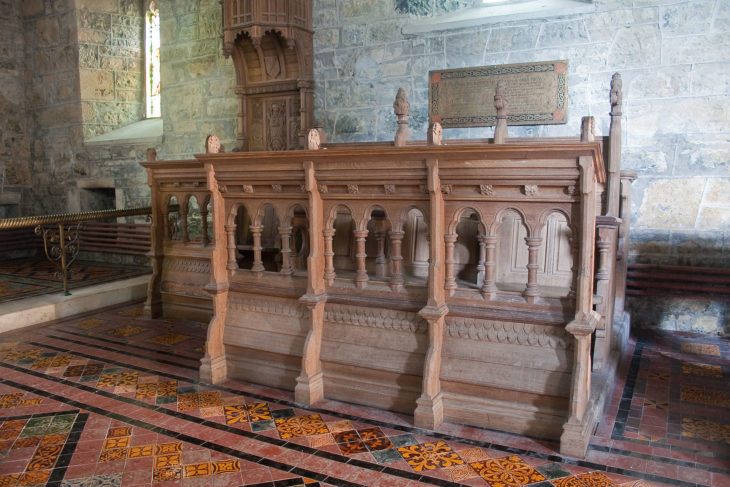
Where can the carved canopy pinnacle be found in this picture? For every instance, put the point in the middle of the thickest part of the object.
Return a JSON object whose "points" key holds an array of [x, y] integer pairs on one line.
{"points": [[401, 107]]}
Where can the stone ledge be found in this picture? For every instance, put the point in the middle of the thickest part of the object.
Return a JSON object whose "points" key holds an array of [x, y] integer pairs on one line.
{"points": [[49, 307], [145, 131]]}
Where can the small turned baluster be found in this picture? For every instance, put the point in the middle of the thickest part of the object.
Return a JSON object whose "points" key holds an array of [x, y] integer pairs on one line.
{"points": [[258, 264], [361, 275], [489, 287], [532, 290], [380, 260], [231, 236], [482, 257], [329, 266], [396, 257], [286, 267], [450, 283]]}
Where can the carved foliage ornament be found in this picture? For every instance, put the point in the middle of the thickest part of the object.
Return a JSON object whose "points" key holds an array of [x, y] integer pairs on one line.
{"points": [[531, 189], [353, 189], [389, 188], [505, 332], [486, 189]]}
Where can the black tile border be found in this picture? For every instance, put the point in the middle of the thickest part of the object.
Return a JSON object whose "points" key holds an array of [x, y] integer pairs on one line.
{"points": [[64, 459]]}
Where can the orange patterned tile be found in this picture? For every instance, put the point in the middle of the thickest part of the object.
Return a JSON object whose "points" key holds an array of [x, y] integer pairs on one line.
{"points": [[298, 426], [47, 451], [428, 456], [701, 349], [236, 414], [168, 448], [196, 470], [165, 474], [596, 479], [37, 477], [9, 480], [567, 482], [113, 454], [702, 370], [121, 431], [258, 411], [121, 442], [457, 473], [170, 460], [471, 455], [141, 451], [226, 466]]}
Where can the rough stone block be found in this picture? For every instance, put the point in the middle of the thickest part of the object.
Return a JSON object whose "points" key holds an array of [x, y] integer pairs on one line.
{"points": [[711, 79], [686, 18], [701, 48], [466, 49], [513, 38], [659, 208], [563, 33], [657, 82], [372, 9], [96, 84], [47, 32], [714, 218], [636, 46], [32, 7], [97, 5]]}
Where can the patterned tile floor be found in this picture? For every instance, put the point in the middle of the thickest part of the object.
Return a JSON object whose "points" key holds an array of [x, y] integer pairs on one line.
{"points": [[113, 399], [23, 278]]}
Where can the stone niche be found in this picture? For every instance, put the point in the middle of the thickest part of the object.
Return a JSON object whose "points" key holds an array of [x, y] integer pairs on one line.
{"points": [[271, 43]]}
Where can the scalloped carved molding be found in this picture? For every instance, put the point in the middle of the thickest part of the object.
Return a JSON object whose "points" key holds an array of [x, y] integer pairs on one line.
{"points": [[375, 318], [507, 332], [268, 306], [187, 265]]}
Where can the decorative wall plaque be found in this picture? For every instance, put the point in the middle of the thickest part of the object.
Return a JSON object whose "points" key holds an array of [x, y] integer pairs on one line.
{"points": [[537, 94]]}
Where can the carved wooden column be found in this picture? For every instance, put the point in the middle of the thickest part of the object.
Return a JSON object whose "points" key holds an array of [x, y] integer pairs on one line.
{"points": [[429, 411], [258, 264], [606, 234], [450, 283], [482, 259], [396, 257], [380, 260], [579, 427], [489, 287], [158, 234], [184, 223], [361, 274], [310, 384], [329, 266], [213, 365], [231, 247], [285, 232], [622, 252], [613, 167], [204, 224], [532, 290]]}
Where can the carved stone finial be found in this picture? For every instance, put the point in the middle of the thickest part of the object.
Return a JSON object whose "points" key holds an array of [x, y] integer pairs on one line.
{"points": [[435, 134], [402, 110], [313, 140], [500, 104], [151, 154], [212, 145], [587, 127], [616, 94]]}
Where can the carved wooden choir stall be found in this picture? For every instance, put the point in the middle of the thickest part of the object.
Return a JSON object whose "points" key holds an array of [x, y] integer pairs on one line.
{"points": [[455, 282]]}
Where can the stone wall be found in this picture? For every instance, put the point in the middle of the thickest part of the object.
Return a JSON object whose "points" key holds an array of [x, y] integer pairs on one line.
{"points": [[111, 63], [14, 145], [674, 57], [52, 103], [198, 82]]}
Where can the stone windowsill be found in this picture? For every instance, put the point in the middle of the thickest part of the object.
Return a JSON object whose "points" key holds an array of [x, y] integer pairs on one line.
{"points": [[476, 16], [145, 131]]}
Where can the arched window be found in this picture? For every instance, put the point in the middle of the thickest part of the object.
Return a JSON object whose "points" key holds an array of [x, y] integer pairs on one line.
{"points": [[152, 61]]}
